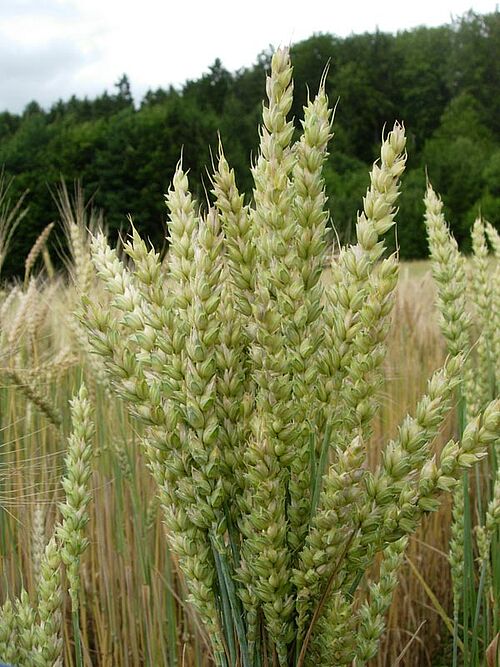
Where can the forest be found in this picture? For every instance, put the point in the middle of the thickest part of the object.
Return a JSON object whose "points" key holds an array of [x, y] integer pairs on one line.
{"points": [[443, 83]]}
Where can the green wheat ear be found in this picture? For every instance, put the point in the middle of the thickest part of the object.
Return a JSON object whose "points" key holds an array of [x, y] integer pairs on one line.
{"points": [[468, 305], [76, 484], [31, 628], [258, 384]]}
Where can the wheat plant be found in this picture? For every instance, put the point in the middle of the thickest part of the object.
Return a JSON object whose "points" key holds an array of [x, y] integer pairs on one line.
{"points": [[31, 627], [258, 385], [11, 214], [470, 310]]}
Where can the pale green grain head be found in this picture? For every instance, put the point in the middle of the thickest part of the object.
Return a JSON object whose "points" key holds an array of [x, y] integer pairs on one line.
{"points": [[258, 383]]}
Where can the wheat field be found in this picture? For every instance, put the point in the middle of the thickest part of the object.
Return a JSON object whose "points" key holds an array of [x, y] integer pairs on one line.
{"points": [[133, 611], [255, 451]]}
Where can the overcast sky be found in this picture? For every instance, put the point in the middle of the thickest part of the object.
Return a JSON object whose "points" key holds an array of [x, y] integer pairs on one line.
{"points": [[51, 49]]}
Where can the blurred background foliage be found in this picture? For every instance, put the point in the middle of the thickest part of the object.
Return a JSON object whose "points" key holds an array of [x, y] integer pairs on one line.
{"points": [[443, 83]]}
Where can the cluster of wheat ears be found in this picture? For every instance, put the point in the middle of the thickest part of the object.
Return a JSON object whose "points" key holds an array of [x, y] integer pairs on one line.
{"points": [[257, 383]]}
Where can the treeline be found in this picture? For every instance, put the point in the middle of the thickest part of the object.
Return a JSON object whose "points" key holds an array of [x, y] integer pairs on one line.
{"points": [[444, 83]]}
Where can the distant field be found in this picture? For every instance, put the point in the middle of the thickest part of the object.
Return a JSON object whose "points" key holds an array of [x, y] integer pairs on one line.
{"points": [[415, 269]]}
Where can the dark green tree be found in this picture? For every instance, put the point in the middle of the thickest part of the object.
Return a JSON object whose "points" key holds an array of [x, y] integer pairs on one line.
{"points": [[441, 82]]}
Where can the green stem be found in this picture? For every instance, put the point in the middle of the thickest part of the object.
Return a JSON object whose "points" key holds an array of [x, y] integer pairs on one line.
{"points": [[468, 570], [75, 614], [475, 627], [455, 637]]}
